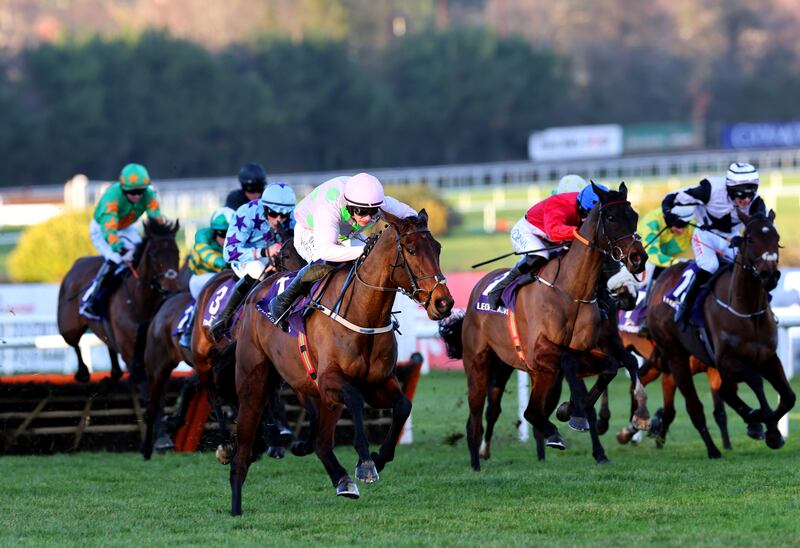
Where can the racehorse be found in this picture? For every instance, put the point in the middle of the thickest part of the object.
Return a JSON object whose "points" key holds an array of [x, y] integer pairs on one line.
{"points": [[609, 343], [151, 276], [163, 353], [557, 321], [742, 332], [354, 363]]}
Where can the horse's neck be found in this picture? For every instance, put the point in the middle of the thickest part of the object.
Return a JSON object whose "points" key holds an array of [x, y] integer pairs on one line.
{"points": [[746, 293], [140, 292], [366, 306], [580, 268]]}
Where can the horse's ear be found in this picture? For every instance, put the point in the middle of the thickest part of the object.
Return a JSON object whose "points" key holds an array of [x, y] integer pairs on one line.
{"points": [[771, 215], [177, 226], [602, 194], [623, 190], [422, 217], [744, 217]]}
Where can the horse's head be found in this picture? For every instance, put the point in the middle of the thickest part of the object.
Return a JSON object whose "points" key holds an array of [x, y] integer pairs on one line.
{"points": [[416, 269], [158, 256], [288, 258], [759, 249], [613, 222]]}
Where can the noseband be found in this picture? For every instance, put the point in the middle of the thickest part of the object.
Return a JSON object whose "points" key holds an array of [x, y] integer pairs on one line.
{"points": [[401, 262]]}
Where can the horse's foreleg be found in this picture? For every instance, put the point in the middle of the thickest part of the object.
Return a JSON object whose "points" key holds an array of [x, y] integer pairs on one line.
{"points": [[354, 400], [715, 381], [604, 415], [640, 414], [775, 375], [390, 394], [329, 413], [156, 382], [728, 390], [501, 374], [116, 370], [545, 392], [598, 452]]}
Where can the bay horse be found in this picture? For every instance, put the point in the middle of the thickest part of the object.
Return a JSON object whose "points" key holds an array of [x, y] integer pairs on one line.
{"points": [[742, 331], [153, 274], [557, 321], [163, 352], [353, 364], [609, 342]]}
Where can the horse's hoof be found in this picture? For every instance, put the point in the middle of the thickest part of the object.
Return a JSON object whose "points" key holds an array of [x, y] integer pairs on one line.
{"points": [[660, 441], [774, 440], [301, 448], [602, 426], [346, 488], [285, 436], [484, 452], [555, 441], [602, 459], [163, 444], [366, 472], [755, 430], [276, 452], [714, 453], [223, 454], [579, 424], [562, 413], [379, 463]]}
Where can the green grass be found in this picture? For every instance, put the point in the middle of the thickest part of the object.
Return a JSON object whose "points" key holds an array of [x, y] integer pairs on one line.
{"points": [[428, 495]]}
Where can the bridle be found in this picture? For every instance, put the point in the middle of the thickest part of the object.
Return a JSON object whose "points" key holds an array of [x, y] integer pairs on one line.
{"points": [[750, 265], [612, 249], [156, 277], [400, 261]]}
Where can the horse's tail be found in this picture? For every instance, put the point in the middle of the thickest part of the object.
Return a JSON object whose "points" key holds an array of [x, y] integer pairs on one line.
{"points": [[450, 332]]}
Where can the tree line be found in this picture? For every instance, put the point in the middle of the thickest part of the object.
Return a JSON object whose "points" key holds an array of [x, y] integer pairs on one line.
{"points": [[455, 95]]}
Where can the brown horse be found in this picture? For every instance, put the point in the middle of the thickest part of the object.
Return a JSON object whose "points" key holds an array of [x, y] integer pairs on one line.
{"points": [[152, 275], [741, 328], [354, 363], [163, 353], [558, 324]]}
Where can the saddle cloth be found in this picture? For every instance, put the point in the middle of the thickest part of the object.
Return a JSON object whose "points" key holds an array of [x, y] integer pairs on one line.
{"points": [[509, 295]]}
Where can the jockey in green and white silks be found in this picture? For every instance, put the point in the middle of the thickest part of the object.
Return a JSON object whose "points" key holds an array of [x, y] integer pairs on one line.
{"points": [[112, 230], [253, 237], [331, 222]]}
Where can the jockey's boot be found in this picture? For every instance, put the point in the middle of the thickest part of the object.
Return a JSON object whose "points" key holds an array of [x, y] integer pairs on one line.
{"points": [[305, 278], [684, 313], [90, 305], [603, 300], [526, 265], [238, 293], [186, 337]]}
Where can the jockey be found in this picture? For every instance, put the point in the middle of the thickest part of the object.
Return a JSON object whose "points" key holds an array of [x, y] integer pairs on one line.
{"points": [[553, 220], [255, 235], [330, 224], [253, 179], [716, 202], [666, 238], [112, 229], [206, 259]]}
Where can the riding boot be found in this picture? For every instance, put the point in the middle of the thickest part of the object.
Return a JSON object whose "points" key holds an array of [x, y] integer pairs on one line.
{"points": [[684, 313], [603, 300], [238, 293], [186, 337], [301, 284], [90, 305], [526, 265]]}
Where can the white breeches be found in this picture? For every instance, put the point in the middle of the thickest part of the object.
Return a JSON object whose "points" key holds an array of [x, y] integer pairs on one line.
{"points": [[526, 237], [129, 236], [304, 243], [706, 245], [254, 269], [197, 281]]}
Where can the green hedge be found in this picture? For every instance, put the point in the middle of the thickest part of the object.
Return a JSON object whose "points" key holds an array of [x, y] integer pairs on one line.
{"points": [[46, 251]]}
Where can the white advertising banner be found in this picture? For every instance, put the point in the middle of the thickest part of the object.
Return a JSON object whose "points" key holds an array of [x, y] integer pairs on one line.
{"points": [[561, 143]]}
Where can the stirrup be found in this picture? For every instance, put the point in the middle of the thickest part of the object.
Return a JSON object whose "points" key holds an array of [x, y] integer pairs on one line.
{"points": [[87, 310]]}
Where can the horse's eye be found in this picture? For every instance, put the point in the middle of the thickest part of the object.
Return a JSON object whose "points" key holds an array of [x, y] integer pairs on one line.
{"points": [[610, 218], [411, 250]]}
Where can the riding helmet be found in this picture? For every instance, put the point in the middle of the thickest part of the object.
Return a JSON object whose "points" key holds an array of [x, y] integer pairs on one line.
{"points": [[279, 197], [253, 177], [363, 190], [221, 218], [134, 177]]}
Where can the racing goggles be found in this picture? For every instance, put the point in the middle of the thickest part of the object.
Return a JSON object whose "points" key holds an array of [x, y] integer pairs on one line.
{"points": [[253, 187], [134, 192], [363, 211], [272, 214], [220, 233], [741, 193]]}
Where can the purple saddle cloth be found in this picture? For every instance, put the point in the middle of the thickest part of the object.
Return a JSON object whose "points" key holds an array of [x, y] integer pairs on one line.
{"points": [[295, 320], [509, 295], [184, 323], [674, 297], [218, 301]]}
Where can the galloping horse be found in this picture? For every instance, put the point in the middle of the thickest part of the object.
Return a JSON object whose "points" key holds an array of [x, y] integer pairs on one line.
{"points": [[153, 274], [354, 363], [741, 328], [557, 321], [163, 353]]}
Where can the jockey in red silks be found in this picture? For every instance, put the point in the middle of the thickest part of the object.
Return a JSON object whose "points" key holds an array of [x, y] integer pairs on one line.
{"points": [[545, 225]]}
